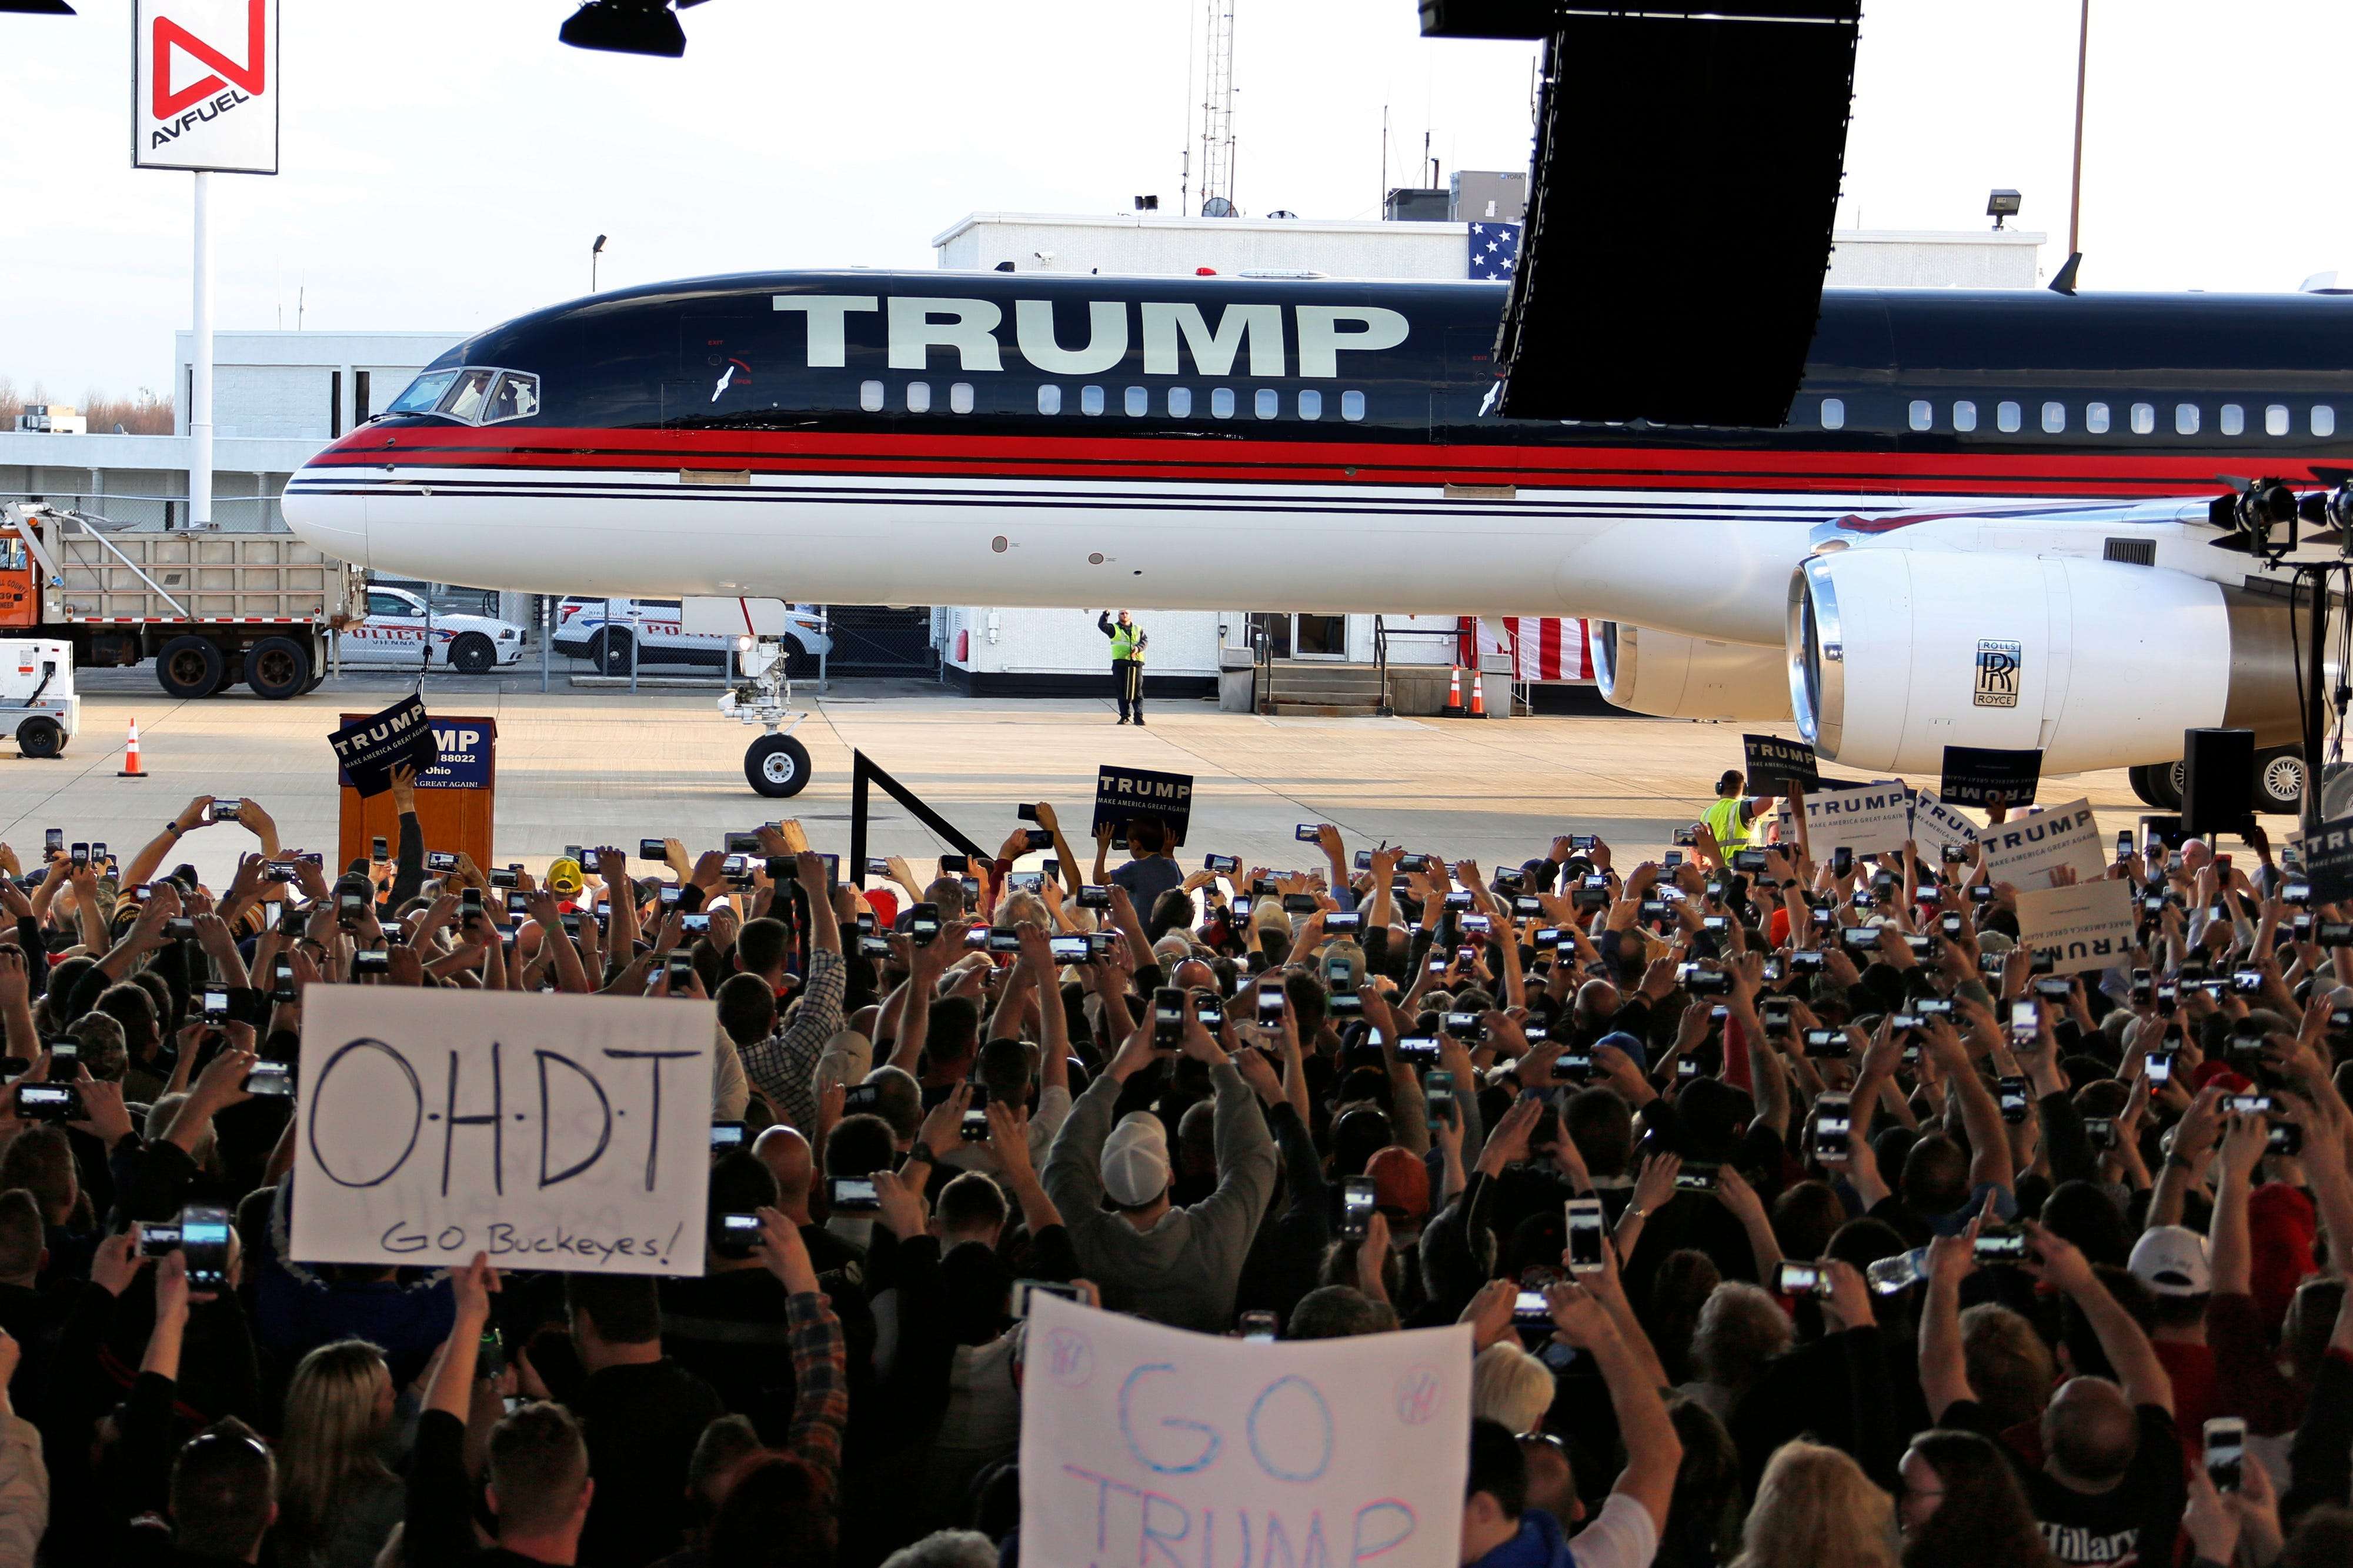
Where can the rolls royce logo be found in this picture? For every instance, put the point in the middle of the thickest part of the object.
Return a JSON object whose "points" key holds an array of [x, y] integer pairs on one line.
{"points": [[1998, 667]]}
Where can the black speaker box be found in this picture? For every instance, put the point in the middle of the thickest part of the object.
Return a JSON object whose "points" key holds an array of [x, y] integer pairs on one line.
{"points": [[2218, 788]]}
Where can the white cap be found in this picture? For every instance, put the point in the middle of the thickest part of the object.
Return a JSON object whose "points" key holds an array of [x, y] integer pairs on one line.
{"points": [[1135, 1161], [2171, 1261]]}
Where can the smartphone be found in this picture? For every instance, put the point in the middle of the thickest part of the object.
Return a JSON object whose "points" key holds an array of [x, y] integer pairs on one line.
{"points": [[1270, 1001], [2158, 1064], [1004, 939], [1585, 1227], [1257, 1328], [1068, 950], [1438, 1096], [440, 860], [216, 1004], [1685, 838], [156, 1238], [735, 1235], [80, 856], [1299, 904], [372, 961], [1094, 896], [1697, 1176], [727, 1135], [2025, 1019], [1308, 832], [2001, 1243], [1168, 1017], [512, 877], [853, 1194], [2226, 1451], [1701, 981], [204, 1244], [379, 850], [1531, 1310], [1340, 920], [1209, 1010], [2125, 846], [1223, 864], [954, 864], [974, 1129], [1421, 1048], [1955, 854], [1841, 861], [1833, 1121], [1828, 1044], [2101, 1130], [1806, 960], [1802, 1279], [923, 924], [2016, 1096], [55, 840], [1026, 1291], [1355, 1207]]}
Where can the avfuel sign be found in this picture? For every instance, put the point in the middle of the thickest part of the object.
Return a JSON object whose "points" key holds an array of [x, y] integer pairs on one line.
{"points": [[204, 85]]}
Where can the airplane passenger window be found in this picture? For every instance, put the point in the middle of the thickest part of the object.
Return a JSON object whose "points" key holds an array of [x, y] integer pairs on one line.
{"points": [[1268, 403], [919, 397], [2144, 419], [1050, 399], [1091, 400], [1311, 405], [517, 397], [2054, 418], [1352, 404], [960, 397], [2095, 418], [2324, 419], [1139, 402], [2007, 416], [1180, 402], [1924, 414], [2234, 420], [1965, 416], [870, 397], [1833, 413], [1221, 403], [2185, 418], [2276, 420]]}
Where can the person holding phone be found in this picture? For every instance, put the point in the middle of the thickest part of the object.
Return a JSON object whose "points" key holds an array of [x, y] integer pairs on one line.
{"points": [[1127, 641]]}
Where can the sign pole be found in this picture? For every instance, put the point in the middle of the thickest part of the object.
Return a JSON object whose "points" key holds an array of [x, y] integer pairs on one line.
{"points": [[200, 391]]}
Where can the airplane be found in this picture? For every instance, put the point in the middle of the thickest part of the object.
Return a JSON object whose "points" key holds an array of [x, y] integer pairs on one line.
{"points": [[1986, 521]]}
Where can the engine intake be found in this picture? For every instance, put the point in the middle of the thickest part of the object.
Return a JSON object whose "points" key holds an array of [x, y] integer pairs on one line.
{"points": [[1648, 671], [1894, 655]]}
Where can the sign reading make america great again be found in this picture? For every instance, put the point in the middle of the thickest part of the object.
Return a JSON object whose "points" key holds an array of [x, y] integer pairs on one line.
{"points": [[371, 748]]}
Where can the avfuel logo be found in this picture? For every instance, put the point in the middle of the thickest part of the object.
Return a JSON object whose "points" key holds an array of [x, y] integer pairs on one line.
{"points": [[228, 83]]}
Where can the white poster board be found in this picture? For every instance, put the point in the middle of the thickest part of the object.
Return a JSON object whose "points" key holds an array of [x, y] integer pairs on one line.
{"points": [[557, 1132], [204, 84], [2025, 851], [1935, 825], [2086, 926], [1141, 1444], [1868, 819]]}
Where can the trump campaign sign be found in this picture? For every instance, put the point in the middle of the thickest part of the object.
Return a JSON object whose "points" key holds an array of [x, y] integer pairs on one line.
{"points": [[204, 85]]}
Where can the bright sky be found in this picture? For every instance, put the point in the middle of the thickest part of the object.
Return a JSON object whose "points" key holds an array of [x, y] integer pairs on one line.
{"points": [[446, 164]]}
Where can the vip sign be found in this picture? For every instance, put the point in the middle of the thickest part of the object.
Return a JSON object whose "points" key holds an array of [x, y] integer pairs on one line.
{"points": [[205, 83]]}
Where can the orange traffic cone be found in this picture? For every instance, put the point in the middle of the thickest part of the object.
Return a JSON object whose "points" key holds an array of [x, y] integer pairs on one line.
{"points": [[1478, 695], [1453, 708], [131, 768]]}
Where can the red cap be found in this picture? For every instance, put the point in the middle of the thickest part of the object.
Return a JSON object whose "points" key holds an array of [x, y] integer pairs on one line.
{"points": [[1400, 1182], [2281, 1229]]}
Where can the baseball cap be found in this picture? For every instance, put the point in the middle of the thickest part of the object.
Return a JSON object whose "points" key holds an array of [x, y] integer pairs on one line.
{"points": [[1400, 1182], [2171, 1261], [564, 877], [1135, 1161]]}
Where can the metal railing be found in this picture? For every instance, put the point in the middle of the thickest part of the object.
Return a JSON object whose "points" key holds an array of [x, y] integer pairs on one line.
{"points": [[231, 513], [1381, 635], [1261, 667]]}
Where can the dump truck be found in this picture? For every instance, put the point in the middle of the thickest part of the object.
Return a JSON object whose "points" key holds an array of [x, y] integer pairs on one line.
{"points": [[210, 607]]}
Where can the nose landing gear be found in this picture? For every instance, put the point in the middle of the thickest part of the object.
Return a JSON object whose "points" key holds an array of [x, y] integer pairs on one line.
{"points": [[776, 765]]}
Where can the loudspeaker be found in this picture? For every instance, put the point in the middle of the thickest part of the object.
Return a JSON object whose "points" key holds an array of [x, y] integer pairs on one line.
{"points": [[2217, 780]]}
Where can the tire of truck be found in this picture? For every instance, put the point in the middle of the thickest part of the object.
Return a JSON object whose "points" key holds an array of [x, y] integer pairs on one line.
{"points": [[777, 766], [190, 667], [41, 736], [474, 653], [609, 650], [277, 668]]}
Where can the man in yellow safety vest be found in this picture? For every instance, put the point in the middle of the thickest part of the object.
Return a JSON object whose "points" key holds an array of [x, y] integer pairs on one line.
{"points": [[1733, 818], [1127, 641]]}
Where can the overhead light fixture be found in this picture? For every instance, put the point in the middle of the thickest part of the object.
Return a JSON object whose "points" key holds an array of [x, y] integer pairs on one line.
{"points": [[2002, 204], [625, 27], [37, 7]]}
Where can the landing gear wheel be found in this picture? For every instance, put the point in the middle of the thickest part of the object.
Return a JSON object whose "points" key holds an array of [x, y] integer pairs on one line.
{"points": [[2167, 779], [610, 649], [777, 766], [2143, 790], [473, 653], [2279, 781], [40, 736], [190, 667], [277, 668]]}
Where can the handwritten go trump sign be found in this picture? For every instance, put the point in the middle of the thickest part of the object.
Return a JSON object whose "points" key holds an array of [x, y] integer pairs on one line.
{"points": [[1141, 1444], [558, 1132]]}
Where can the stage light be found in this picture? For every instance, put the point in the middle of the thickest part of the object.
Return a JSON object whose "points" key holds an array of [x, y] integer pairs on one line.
{"points": [[625, 27]]}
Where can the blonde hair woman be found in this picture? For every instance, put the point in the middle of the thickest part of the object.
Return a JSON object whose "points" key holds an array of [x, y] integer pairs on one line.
{"points": [[1511, 1387], [1816, 1509], [337, 1500]]}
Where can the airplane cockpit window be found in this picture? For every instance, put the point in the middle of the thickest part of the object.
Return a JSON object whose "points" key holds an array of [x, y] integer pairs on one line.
{"points": [[477, 395], [515, 397]]}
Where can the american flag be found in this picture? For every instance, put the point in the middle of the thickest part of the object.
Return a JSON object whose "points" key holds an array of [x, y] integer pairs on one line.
{"points": [[1494, 251]]}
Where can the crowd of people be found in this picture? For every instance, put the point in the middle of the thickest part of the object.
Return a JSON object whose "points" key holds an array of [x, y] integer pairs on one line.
{"points": [[1799, 1215]]}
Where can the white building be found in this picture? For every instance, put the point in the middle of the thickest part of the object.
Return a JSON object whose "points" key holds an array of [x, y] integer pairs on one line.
{"points": [[998, 649], [277, 398]]}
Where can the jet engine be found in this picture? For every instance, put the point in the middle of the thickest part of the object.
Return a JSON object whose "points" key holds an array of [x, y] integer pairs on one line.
{"points": [[1895, 655], [1673, 676]]}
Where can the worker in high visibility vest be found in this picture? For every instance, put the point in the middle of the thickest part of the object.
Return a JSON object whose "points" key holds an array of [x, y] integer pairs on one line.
{"points": [[1734, 816], [1127, 643]]}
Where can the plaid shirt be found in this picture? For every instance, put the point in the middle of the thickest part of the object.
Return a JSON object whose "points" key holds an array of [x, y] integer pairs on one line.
{"points": [[820, 1383], [783, 1067]]}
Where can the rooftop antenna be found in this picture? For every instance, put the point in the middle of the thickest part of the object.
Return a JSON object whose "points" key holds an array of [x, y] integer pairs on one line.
{"points": [[1218, 111]]}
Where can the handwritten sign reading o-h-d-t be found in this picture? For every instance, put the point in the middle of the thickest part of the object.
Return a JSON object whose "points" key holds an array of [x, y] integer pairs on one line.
{"points": [[556, 1132], [1146, 1445]]}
